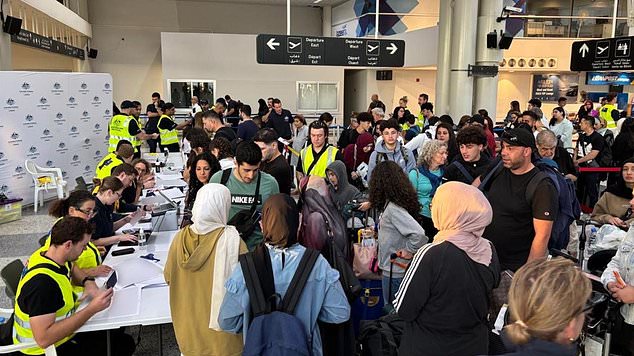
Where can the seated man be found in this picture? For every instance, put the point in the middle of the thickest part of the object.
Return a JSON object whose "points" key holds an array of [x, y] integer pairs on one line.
{"points": [[46, 306], [123, 154]]}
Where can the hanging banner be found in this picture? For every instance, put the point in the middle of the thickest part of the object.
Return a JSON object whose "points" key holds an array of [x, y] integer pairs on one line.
{"points": [[549, 88], [55, 119]]}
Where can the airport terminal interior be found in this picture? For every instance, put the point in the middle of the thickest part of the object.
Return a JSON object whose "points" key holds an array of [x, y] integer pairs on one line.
{"points": [[316, 177]]}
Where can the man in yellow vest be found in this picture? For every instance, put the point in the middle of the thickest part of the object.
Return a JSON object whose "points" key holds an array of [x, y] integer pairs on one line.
{"points": [[609, 112], [46, 306], [123, 154], [314, 159], [167, 127], [125, 127]]}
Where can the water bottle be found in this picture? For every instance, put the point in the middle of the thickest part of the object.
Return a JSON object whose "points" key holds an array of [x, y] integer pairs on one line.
{"points": [[157, 166], [142, 239]]}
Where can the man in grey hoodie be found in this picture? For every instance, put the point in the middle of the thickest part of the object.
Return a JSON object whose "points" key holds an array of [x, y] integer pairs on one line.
{"points": [[341, 191], [390, 149]]}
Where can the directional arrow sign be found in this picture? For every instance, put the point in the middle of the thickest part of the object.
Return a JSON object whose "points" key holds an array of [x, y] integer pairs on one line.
{"points": [[606, 54], [329, 51], [584, 50], [272, 44], [392, 47]]}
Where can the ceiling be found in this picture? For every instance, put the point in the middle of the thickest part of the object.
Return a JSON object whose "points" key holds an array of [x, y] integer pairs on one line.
{"points": [[280, 2]]}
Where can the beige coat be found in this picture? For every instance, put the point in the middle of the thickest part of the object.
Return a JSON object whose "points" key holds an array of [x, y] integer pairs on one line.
{"points": [[609, 206], [189, 273]]}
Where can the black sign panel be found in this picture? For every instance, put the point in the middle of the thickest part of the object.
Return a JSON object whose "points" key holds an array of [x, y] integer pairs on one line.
{"points": [[34, 40], [603, 54], [330, 51]]}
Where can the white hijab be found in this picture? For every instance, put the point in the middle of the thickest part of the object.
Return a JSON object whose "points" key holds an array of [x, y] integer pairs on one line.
{"points": [[210, 212]]}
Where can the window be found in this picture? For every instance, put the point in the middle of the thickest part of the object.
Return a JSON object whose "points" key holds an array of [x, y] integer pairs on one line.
{"points": [[181, 91], [317, 96]]}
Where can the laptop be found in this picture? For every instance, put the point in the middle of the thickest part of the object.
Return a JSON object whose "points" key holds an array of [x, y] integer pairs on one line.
{"points": [[164, 207]]}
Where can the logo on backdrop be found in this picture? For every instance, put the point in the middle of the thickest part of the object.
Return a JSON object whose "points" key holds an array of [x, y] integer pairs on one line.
{"points": [[46, 135], [57, 89], [29, 121], [4, 188], [25, 89], [83, 88], [76, 162], [106, 88], [61, 148], [19, 172], [72, 102], [33, 153], [15, 139], [64, 175], [59, 119], [74, 131], [49, 163], [96, 101], [10, 105], [85, 116], [87, 144], [3, 159], [44, 105], [87, 168], [97, 129], [97, 155]]}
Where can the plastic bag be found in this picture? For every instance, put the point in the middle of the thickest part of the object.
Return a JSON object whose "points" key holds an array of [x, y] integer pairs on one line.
{"points": [[609, 237]]}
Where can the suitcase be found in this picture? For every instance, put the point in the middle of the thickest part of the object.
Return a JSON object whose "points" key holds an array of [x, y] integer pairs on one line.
{"points": [[369, 305]]}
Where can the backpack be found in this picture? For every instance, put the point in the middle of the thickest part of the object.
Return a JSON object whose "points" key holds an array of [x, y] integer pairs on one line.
{"points": [[604, 159], [569, 207], [321, 221], [381, 337], [382, 156], [274, 329], [462, 170]]}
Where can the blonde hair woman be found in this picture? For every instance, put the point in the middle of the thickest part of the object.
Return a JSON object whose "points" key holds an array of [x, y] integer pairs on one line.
{"points": [[547, 303]]}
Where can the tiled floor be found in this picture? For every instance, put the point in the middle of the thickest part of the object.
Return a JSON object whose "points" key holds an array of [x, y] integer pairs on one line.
{"points": [[19, 239]]}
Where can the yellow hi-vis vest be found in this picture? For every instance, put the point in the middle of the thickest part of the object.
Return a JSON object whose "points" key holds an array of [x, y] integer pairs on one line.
{"points": [[325, 159], [119, 131], [168, 137], [137, 144], [38, 264], [89, 258], [105, 166], [606, 113]]}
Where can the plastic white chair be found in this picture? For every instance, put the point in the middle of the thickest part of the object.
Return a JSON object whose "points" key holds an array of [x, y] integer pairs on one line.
{"points": [[45, 179], [6, 314]]}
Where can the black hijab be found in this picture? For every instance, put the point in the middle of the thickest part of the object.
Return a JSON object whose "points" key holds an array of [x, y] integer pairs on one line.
{"points": [[620, 189]]}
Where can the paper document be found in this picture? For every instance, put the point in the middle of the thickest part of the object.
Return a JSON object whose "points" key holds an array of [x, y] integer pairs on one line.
{"points": [[125, 302], [173, 193], [171, 183], [136, 270]]}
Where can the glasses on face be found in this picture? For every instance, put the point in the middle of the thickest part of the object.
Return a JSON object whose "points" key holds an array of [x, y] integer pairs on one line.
{"points": [[89, 213]]}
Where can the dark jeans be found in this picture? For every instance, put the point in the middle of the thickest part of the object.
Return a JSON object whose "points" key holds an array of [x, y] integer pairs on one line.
{"points": [[94, 343], [430, 230], [588, 188], [153, 144], [623, 337]]}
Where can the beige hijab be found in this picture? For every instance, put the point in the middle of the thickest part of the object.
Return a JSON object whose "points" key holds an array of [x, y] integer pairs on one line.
{"points": [[461, 213]]}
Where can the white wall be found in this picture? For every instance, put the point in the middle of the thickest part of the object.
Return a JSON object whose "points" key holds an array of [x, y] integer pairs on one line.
{"points": [[404, 83], [239, 74], [356, 91], [128, 34]]}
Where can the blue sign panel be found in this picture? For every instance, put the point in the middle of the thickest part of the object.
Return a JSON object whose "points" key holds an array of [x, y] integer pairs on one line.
{"points": [[609, 78]]}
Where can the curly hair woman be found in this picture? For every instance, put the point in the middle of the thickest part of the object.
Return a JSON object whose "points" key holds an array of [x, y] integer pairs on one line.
{"points": [[399, 228], [203, 167], [427, 178]]}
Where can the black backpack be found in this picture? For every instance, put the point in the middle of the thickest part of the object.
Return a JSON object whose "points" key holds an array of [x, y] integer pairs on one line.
{"points": [[381, 337]]}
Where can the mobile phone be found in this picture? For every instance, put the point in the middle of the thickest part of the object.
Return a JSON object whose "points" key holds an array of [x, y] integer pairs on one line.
{"points": [[127, 243], [129, 231], [619, 279], [112, 280], [125, 251]]}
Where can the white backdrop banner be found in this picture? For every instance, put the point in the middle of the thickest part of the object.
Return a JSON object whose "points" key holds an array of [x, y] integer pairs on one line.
{"points": [[57, 120]]}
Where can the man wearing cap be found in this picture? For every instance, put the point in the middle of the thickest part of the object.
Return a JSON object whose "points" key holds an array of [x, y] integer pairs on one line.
{"points": [[521, 224], [124, 126], [213, 123]]}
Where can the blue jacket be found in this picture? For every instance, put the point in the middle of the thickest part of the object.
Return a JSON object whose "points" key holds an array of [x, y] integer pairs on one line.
{"points": [[323, 297]]}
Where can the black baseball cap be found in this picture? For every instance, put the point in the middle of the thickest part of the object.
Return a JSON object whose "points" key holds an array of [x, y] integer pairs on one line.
{"points": [[204, 101], [519, 137]]}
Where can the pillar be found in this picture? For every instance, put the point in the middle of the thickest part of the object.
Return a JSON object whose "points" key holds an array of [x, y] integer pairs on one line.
{"points": [[326, 21], [486, 88], [5, 45], [630, 17], [463, 50], [441, 100]]}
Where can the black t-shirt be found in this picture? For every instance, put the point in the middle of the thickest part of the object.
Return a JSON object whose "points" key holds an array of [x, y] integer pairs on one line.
{"points": [[281, 171], [133, 128], [281, 123], [589, 143], [102, 221], [443, 302], [511, 230], [226, 132], [564, 161], [475, 169], [41, 295], [232, 104], [151, 126], [247, 130], [167, 124]]}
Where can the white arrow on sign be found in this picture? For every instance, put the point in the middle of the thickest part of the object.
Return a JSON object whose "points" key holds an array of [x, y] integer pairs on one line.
{"points": [[272, 44], [584, 50], [392, 47]]}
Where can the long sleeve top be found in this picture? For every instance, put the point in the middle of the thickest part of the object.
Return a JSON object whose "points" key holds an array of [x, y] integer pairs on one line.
{"points": [[398, 230], [623, 262]]}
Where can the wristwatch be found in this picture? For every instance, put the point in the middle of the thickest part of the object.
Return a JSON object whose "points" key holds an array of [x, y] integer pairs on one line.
{"points": [[83, 281]]}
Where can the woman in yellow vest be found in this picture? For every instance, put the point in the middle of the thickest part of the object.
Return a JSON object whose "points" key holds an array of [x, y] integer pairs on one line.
{"points": [[167, 127]]}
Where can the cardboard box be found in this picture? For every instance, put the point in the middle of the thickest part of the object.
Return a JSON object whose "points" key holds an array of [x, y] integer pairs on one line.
{"points": [[10, 210]]}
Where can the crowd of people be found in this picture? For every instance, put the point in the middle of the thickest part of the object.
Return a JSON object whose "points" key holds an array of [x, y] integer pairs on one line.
{"points": [[469, 208]]}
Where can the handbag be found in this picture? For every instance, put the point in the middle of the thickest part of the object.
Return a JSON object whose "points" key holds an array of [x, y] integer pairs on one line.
{"points": [[365, 258], [244, 221]]}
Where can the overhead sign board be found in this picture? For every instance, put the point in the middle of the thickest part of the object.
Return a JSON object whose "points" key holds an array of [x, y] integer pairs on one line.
{"points": [[603, 54], [609, 78], [34, 40], [329, 51]]}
